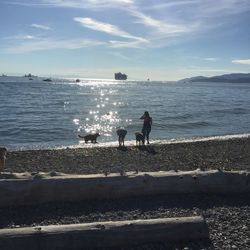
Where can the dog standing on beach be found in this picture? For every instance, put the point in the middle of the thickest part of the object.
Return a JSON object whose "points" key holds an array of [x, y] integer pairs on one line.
{"points": [[121, 136], [139, 138], [90, 137], [3, 153]]}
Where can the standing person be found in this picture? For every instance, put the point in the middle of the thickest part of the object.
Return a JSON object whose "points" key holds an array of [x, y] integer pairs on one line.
{"points": [[147, 123], [3, 152]]}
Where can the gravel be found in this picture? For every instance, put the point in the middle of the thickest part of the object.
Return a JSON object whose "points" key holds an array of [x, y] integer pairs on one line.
{"points": [[228, 217]]}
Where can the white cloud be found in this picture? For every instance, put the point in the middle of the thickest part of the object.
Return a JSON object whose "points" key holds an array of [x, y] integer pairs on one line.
{"points": [[200, 8], [165, 5], [222, 7], [174, 18], [28, 37], [161, 25], [79, 4], [88, 4], [125, 44], [210, 59], [242, 61], [120, 55], [20, 37], [50, 44], [160, 22], [106, 28], [40, 26]]}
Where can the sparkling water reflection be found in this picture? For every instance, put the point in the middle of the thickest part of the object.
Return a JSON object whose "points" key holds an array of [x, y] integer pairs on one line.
{"points": [[42, 115], [105, 118]]}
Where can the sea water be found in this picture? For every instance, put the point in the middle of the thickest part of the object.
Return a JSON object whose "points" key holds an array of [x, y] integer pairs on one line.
{"points": [[36, 114]]}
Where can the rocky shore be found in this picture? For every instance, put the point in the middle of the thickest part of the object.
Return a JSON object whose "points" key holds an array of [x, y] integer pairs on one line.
{"points": [[231, 154], [228, 217]]}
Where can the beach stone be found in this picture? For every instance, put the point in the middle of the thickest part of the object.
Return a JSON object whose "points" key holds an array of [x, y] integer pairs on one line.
{"points": [[230, 154]]}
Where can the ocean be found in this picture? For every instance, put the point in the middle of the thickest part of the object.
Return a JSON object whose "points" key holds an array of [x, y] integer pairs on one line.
{"points": [[35, 114]]}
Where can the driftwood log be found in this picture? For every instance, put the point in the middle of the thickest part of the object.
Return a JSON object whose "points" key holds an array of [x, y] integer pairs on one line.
{"points": [[104, 234], [24, 189]]}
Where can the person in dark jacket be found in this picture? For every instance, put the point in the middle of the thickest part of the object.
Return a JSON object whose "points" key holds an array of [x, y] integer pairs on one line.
{"points": [[147, 124]]}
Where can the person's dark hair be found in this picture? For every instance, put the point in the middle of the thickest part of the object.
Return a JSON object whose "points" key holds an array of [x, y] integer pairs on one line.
{"points": [[146, 113]]}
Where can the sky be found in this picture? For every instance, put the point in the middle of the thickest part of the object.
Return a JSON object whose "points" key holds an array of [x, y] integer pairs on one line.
{"points": [[156, 39]]}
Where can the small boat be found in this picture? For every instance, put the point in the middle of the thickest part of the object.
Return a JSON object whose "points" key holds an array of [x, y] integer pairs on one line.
{"points": [[47, 80], [78, 80]]}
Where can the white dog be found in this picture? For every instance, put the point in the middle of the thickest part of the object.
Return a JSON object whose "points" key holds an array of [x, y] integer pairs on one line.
{"points": [[3, 152]]}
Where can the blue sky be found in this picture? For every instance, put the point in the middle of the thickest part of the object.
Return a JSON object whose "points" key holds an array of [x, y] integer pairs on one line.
{"points": [[156, 39]]}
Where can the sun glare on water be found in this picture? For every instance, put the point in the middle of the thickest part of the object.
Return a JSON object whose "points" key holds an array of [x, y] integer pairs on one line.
{"points": [[103, 116]]}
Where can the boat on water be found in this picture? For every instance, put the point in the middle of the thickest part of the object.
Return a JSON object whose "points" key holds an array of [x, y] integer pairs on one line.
{"points": [[120, 76], [78, 80], [47, 80]]}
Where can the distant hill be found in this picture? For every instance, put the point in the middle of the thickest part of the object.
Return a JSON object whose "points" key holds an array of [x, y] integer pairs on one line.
{"points": [[230, 78]]}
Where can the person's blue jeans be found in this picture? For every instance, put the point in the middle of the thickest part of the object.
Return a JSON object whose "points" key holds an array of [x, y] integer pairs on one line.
{"points": [[146, 131]]}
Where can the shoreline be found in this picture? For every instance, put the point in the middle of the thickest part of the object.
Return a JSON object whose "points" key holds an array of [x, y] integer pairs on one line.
{"points": [[230, 153], [128, 143]]}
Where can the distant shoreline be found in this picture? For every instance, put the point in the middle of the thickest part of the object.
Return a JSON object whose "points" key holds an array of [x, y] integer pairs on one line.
{"points": [[226, 78]]}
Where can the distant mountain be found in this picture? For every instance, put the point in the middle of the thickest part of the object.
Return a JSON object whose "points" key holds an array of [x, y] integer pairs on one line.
{"points": [[230, 78]]}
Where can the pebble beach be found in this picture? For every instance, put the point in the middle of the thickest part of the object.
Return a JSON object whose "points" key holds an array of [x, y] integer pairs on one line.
{"points": [[227, 216], [226, 154]]}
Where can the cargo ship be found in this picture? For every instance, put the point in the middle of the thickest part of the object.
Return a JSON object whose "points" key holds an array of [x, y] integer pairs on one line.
{"points": [[120, 76]]}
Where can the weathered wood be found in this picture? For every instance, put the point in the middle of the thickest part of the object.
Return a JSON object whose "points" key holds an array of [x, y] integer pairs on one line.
{"points": [[104, 234], [27, 189]]}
